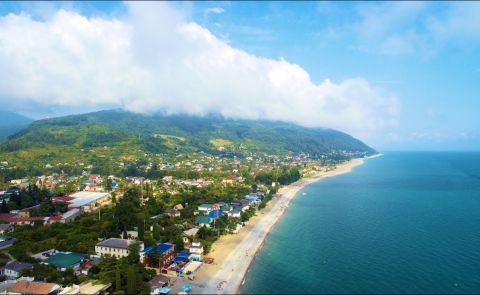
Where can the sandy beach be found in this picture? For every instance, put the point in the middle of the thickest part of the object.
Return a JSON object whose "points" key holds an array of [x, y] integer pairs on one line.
{"points": [[233, 254]]}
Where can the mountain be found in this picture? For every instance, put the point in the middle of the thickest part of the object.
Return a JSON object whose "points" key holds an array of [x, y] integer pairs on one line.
{"points": [[11, 123], [164, 133]]}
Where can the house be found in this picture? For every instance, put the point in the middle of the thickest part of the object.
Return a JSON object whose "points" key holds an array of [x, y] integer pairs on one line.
{"points": [[33, 288], [94, 288], [202, 220], [88, 201], [115, 247], [70, 215], [189, 234], [235, 213], [64, 260], [231, 179], [167, 179], [178, 207], [95, 177], [166, 251], [5, 228], [196, 248], [172, 212], [205, 208], [13, 269]]}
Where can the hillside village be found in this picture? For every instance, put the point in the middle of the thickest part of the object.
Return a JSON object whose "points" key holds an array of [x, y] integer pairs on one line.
{"points": [[131, 233]]}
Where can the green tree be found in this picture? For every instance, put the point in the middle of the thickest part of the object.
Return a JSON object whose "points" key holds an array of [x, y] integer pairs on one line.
{"points": [[131, 281]]}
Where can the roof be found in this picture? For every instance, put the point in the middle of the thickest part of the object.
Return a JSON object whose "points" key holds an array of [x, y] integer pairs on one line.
{"points": [[5, 226], [116, 243], [171, 211], [159, 281], [216, 214], [191, 232], [206, 206], [182, 256], [17, 266], [26, 287], [84, 198], [64, 260], [202, 219], [161, 248], [70, 213], [93, 287]]}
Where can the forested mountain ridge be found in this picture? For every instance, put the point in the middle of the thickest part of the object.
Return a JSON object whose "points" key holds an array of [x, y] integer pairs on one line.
{"points": [[11, 123], [165, 133]]}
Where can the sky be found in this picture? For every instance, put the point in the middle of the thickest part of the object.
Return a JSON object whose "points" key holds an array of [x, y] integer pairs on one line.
{"points": [[397, 75]]}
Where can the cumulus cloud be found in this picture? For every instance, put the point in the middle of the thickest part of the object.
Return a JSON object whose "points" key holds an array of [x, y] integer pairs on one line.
{"points": [[154, 59]]}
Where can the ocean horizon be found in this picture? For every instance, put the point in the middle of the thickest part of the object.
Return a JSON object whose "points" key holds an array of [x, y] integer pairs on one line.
{"points": [[406, 222]]}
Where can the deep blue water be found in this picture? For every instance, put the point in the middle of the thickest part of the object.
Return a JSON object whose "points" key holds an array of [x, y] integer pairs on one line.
{"points": [[407, 222]]}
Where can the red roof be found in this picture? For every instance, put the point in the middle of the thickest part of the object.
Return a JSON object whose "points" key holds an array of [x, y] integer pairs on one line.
{"points": [[232, 177], [7, 216], [94, 176]]}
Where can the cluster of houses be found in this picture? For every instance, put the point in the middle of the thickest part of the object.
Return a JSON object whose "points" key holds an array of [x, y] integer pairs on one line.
{"points": [[77, 203], [200, 182], [15, 283], [170, 262], [206, 213]]}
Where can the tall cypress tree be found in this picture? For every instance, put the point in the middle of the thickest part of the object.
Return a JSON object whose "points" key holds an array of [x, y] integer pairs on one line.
{"points": [[118, 279], [131, 280]]}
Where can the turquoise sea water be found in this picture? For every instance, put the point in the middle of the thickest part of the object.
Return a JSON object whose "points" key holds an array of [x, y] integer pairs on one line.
{"points": [[407, 222]]}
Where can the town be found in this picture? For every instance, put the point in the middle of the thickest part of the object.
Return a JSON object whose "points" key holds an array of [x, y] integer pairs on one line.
{"points": [[91, 233]]}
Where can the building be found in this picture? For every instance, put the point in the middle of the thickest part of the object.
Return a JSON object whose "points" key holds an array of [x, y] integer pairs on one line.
{"points": [[25, 287], [13, 269], [6, 241], [172, 212], [196, 248], [203, 220], [205, 208], [189, 234], [115, 247], [166, 251], [5, 228], [64, 260], [88, 201]]}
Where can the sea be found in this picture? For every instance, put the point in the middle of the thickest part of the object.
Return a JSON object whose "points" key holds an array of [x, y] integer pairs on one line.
{"points": [[403, 223]]}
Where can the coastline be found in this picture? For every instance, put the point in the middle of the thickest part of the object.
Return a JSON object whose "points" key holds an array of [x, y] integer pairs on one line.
{"points": [[234, 254]]}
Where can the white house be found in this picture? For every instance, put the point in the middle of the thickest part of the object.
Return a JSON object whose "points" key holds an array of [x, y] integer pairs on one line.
{"points": [[115, 247], [196, 248], [13, 269]]}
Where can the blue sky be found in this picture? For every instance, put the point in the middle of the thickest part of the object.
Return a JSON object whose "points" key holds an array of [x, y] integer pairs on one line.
{"points": [[424, 54]]}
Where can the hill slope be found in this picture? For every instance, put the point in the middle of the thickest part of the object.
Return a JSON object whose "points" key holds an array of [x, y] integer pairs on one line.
{"points": [[11, 123], [162, 133]]}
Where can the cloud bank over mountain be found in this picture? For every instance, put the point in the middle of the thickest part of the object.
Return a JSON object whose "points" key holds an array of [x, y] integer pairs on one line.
{"points": [[155, 59]]}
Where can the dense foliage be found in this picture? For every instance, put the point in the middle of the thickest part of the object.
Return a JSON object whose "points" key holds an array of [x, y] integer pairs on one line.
{"points": [[124, 135]]}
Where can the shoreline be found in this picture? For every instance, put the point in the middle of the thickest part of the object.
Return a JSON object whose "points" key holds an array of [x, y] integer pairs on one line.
{"points": [[234, 254]]}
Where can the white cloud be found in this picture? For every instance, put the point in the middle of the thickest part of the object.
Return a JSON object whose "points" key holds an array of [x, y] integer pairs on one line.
{"points": [[155, 60], [216, 10]]}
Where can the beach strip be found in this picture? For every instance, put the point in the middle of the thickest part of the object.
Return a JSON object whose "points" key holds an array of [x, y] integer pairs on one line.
{"points": [[233, 254]]}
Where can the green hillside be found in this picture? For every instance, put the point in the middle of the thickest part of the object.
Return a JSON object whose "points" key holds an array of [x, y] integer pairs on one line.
{"points": [[107, 137], [160, 133]]}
